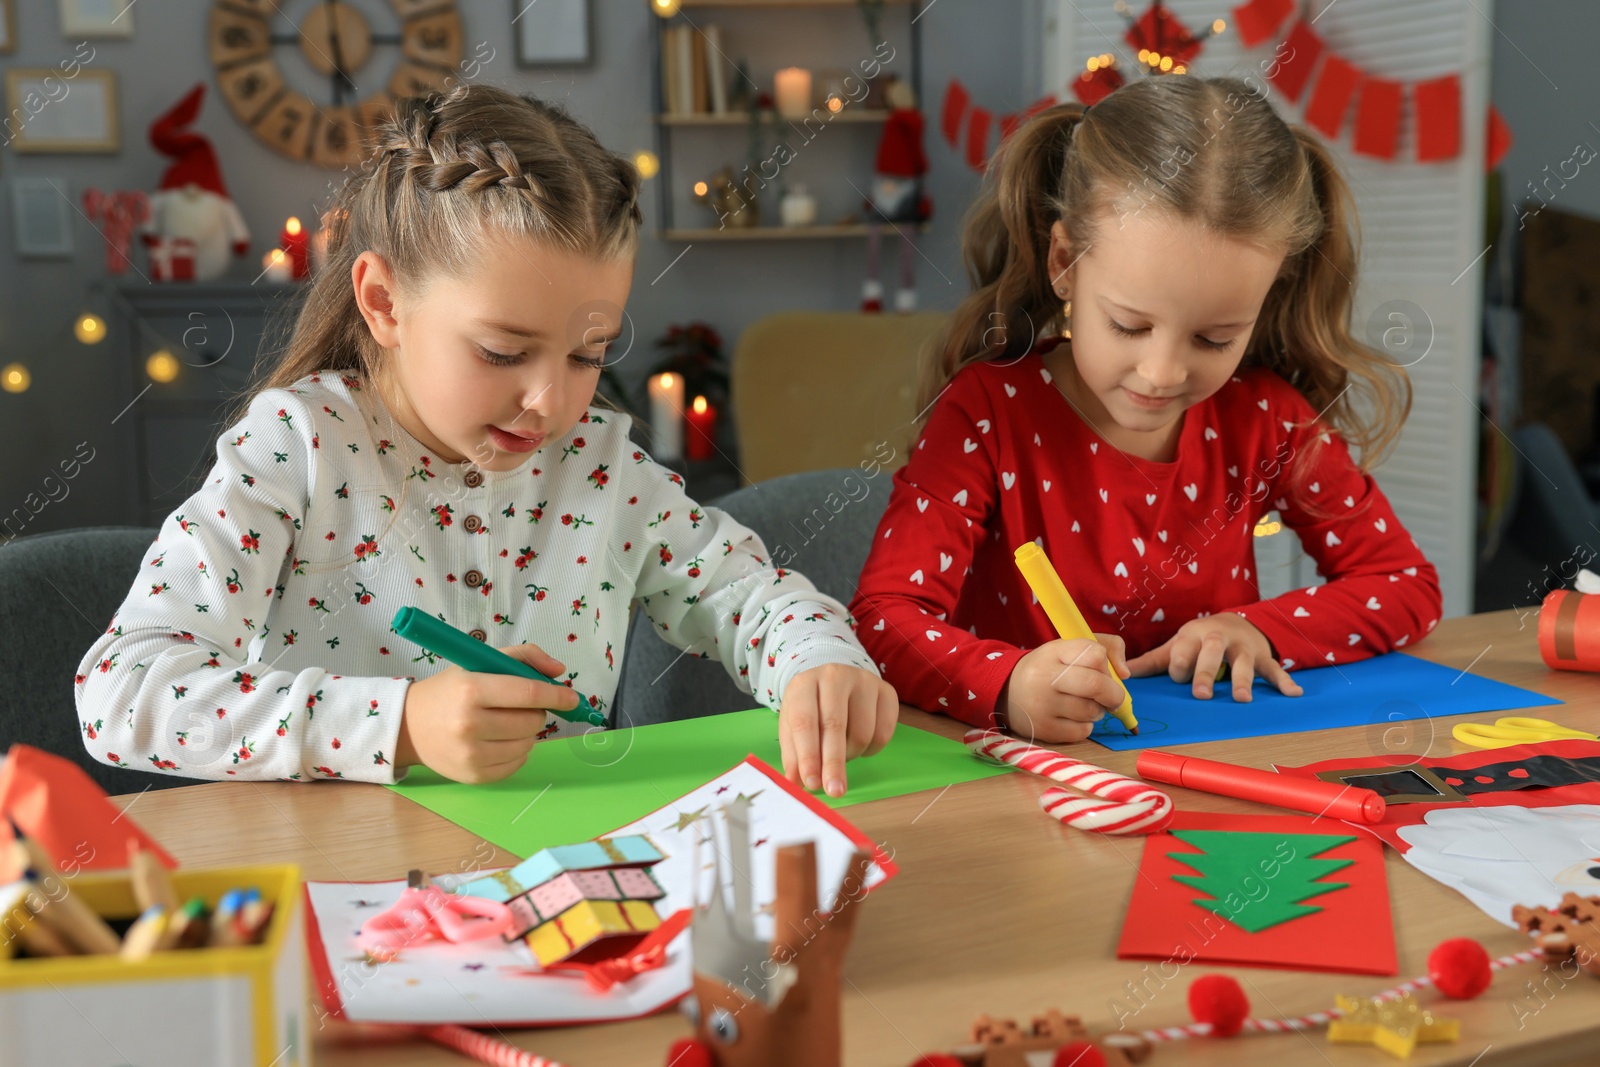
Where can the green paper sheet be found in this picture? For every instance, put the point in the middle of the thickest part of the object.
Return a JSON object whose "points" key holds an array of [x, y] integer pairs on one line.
{"points": [[578, 788], [1233, 862]]}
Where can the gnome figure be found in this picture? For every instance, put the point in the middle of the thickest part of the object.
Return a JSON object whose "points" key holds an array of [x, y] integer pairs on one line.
{"points": [[195, 228], [897, 195]]}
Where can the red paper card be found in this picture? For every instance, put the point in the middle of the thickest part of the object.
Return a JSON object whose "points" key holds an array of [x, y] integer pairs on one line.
{"points": [[1259, 20], [1498, 142], [1330, 99], [56, 804], [978, 120], [1438, 118], [1340, 893], [954, 112], [1291, 68], [1378, 118]]}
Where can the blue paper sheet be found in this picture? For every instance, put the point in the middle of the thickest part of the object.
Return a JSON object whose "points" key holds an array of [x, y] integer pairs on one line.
{"points": [[1384, 689]]}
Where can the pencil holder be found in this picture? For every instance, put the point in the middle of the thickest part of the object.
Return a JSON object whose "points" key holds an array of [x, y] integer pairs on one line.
{"points": [[241, 1006], [1569, 631]]}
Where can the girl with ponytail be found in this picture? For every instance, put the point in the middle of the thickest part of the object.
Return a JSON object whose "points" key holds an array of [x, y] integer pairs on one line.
{"points": [[1155, 355], [429, 440]]}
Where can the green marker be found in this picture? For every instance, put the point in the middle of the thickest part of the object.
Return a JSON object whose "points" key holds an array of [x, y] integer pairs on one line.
{"points": [[470, 654]]}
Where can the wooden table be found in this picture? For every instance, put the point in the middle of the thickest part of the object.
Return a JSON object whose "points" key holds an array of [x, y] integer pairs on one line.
{"points": [[998, 908]]}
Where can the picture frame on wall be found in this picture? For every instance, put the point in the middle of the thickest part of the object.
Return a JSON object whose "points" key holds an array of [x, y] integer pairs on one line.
{"points": [[8, 26], [553, 33], [52, 113], [96, 18], [41, 217]]}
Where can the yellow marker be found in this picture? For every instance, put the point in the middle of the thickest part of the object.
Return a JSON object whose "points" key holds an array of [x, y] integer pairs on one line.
{"points": [[1064, 614]]}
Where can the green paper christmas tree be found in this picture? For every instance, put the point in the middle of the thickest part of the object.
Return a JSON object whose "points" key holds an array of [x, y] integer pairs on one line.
{"points": [[1248, 879]]}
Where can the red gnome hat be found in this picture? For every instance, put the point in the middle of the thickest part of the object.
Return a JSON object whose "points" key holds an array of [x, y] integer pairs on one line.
{"points": [[194, 161], [900, 152]]}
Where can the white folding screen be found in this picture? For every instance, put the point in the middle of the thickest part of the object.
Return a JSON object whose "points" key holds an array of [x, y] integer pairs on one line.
{"points": [[1422, 237]]}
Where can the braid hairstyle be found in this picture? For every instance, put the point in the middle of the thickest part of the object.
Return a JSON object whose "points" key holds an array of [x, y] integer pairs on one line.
{"points": [[1207, 150], [448, 174]]}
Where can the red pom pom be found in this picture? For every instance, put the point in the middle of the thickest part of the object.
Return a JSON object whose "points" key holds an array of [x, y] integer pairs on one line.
{"points": [[937, 1059], [1218, 1000], [1079, 1054], [1459, 968], [687, 1052]]}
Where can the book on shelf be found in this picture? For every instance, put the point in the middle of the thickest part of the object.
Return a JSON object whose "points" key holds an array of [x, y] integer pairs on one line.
{"points": [[683, 45], [694, 80], [716, 70], [702, 102]]}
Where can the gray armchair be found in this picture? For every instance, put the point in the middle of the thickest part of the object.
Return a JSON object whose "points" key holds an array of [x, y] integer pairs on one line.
{"points": [[58, 591], [825, 518]]}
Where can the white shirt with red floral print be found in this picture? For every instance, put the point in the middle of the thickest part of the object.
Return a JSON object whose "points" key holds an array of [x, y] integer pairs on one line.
{"points": [[256, 643]]}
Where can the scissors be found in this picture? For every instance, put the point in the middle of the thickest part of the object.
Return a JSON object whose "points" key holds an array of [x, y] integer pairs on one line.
{"points": [[425, 912], [1515, 731]]}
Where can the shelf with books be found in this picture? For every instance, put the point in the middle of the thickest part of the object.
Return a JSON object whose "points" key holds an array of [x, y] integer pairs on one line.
{"points": [[701, 94]]}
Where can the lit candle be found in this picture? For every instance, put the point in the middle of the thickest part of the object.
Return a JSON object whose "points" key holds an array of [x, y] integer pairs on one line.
{"points": [[666, 416], [702, 418], [793, 92], [275, 267], [296, 244]]}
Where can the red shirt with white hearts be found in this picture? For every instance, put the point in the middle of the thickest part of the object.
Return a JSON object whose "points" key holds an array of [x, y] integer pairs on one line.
{"points": [[1144, 547]]}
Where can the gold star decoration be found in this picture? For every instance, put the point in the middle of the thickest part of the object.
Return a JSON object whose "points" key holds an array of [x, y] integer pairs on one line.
{"points": [[1396, 1026], [689, 818]]}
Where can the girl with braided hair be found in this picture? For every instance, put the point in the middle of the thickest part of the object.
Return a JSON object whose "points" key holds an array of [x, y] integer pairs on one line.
{"points": [[429, 438]]}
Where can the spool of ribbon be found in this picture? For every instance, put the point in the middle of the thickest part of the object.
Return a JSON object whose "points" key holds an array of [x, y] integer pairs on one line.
{"points": [[1115, 805], [1569, 630]]}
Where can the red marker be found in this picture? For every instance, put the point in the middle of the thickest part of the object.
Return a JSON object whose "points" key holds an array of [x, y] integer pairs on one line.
{"points": [[1333, 799]]}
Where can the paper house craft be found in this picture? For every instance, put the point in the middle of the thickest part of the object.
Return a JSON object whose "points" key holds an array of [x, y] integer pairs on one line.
{"points": [[631, 850], [567, 899]]}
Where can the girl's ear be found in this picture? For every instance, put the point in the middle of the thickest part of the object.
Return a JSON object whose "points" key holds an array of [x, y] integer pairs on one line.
{"points": [[1060, 260], [374, 288]]}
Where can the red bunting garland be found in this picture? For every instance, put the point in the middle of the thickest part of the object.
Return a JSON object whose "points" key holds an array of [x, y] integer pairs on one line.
{"points": [[961, 119], [954, 112], [1303, 63], [978, 137], [1299, 55], [1330, 100]]}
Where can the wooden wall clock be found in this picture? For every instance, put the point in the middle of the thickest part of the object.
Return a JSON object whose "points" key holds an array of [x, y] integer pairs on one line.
{"points": [[328, 126]]}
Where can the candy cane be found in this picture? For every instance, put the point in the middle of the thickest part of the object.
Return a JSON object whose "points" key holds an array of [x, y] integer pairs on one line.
{"points": [[1117, 805], [484, 1048], [1316, 1019]]}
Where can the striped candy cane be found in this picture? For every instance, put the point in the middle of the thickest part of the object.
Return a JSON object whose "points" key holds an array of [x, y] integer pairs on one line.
{"points": [[1116, 805], [484, 1048], [1317, 1019]]}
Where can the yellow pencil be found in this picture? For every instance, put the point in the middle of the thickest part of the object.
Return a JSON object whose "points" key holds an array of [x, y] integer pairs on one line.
{"points": [[1064, 614]]}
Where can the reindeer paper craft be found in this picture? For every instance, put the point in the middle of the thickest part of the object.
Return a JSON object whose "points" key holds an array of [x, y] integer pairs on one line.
{"points": [[769, 1004]]}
